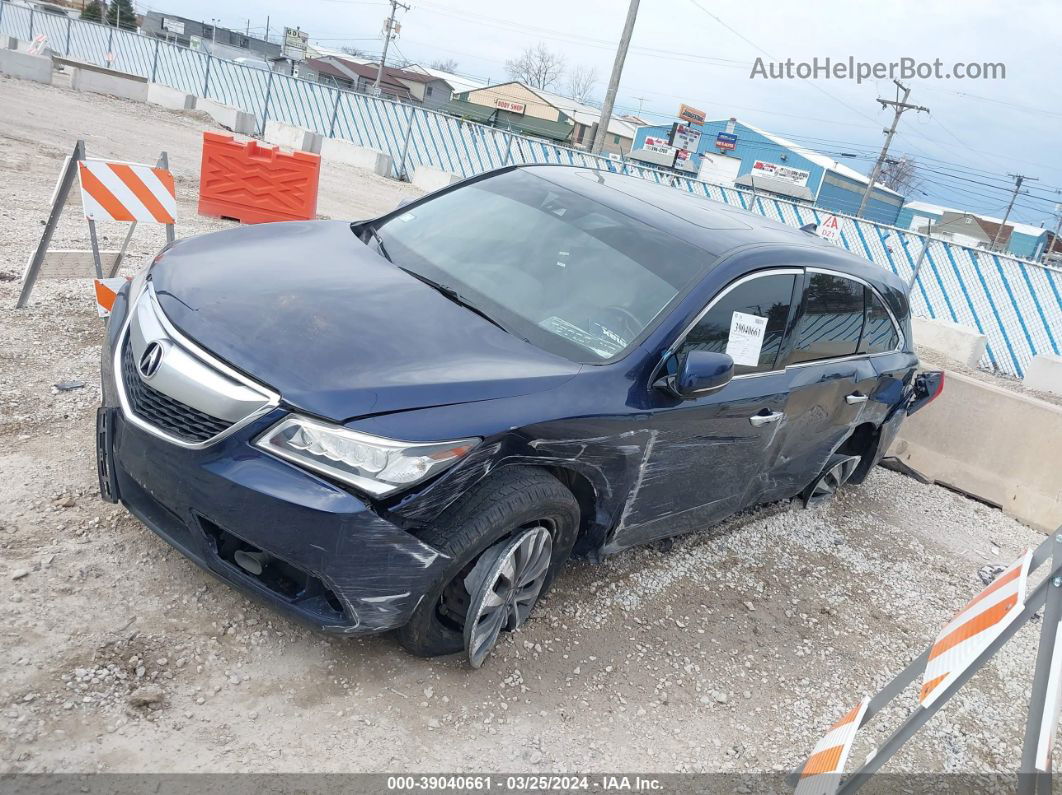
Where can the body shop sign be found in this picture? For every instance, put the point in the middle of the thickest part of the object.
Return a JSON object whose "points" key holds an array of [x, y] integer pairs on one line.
{"points": [[763, 168], [512, 107]]}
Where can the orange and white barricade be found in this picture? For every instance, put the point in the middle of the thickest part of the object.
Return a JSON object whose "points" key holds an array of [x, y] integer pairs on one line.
{"points": [[110, 191], [960, 649], [821, 774]]}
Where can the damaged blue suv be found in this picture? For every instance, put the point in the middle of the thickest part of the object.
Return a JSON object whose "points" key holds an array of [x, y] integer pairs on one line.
{"points": [[412, 422]]}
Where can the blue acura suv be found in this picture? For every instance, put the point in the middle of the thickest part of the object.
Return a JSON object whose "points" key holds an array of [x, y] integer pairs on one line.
{"points": [[412, 422]]}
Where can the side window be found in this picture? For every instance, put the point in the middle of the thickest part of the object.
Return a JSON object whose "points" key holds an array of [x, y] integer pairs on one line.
{"points": [[757, 310], [879, 332], [832, 321]]}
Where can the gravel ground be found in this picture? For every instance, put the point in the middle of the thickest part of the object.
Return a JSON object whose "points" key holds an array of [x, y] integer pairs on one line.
{"points": [[730, 650]]}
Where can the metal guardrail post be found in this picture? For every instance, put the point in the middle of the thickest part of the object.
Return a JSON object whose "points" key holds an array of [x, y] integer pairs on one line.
{"points": [[1030, 779], [155, 61], [206, 77], [508, 149], [31, 24], [110, 42], [335, 114], [265, 106], [69, 27], [405, 144]]}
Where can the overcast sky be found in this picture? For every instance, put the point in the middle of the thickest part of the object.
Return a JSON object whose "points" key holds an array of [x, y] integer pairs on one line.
{"points": [[702, 51]]}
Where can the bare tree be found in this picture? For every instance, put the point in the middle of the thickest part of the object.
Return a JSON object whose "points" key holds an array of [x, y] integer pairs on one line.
{"points": [[901, 175], [580, 83], [448, 65], [537, 67], [353, 51]]}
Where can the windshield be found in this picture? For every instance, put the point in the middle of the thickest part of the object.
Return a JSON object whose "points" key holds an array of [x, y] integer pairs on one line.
{"points": [[568, 274]]}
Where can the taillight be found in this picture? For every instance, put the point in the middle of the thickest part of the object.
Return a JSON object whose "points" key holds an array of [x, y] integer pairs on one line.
{"points": [[927, 388]]}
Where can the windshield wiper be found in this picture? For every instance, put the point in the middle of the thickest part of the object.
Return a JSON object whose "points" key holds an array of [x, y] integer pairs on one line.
{"points": [[454, 296], [379, 243]]}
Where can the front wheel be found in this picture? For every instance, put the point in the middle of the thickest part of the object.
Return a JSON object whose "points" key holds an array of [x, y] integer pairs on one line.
{"points": [[520, 518]]}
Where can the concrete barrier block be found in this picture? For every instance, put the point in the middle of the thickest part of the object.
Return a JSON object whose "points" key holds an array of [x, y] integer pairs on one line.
{"points": [[336, 150], [1044, 374], [115, 84], [24, 66], [994, 443], [171, 98], [233, 119], [289, 136], [429, 178], [953, 341]]}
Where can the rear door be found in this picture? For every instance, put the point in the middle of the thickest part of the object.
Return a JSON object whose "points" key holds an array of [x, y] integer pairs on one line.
{"points": [[833, 381]]}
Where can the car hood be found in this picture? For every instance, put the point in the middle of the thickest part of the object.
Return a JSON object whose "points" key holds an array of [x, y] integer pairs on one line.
{"points": [[311, 311]]}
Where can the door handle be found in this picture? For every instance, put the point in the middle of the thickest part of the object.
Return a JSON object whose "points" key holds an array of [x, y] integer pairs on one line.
{"points": [[854, 398], [763, 419]]}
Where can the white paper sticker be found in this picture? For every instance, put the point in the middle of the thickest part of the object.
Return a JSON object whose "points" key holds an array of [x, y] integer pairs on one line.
{"points": [[746, 338]]}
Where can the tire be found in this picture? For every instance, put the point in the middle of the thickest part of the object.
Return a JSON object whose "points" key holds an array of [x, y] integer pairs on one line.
{"points": [[494, 509]]}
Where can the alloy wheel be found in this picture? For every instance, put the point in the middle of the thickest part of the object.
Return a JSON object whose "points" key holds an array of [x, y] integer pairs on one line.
{"points": [[827, 484], [504, 586]]}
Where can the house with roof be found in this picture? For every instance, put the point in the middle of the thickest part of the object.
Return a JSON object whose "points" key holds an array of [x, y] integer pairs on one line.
{"points": [[730, 152], [543, 114], [1021, 240], [402, 85]]}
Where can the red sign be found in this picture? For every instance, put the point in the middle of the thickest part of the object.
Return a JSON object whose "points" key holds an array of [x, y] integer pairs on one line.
{"points": [[512, 107]]}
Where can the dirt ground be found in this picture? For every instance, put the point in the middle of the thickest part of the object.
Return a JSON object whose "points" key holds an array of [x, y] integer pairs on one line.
{"points": [[730, 650]]}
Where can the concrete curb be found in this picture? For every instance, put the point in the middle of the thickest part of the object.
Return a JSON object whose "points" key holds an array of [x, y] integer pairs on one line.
{"points": [[336, 150], [289, 136]]}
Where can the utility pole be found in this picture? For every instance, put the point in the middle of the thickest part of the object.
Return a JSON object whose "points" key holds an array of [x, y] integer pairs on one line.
{"points": [[613, 82], [389, 32], [1018, 179], [641, 104], [899, 106]]}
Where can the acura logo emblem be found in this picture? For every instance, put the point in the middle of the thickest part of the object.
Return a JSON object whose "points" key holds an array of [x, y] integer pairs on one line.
{"points": [[150, 360]]}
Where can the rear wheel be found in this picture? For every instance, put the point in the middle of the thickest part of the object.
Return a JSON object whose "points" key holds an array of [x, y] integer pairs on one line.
{"points": [[836, 473], [521, 519]]}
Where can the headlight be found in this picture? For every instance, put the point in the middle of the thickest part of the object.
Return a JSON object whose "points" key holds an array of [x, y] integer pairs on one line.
{"points": [[373, 464]]}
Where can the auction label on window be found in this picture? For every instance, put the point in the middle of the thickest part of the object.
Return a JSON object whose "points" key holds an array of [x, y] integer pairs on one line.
{"points": [[746, 338]]}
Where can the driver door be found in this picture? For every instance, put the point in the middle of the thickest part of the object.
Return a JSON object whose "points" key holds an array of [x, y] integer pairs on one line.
{"points": [[711, 456]]}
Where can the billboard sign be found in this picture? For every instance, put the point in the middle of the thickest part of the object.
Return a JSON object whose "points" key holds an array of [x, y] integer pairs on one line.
{"points": [[655, 150], [295, 42], [684, 161], [683, 136], [763, 168], [512, 107], [725, 140], [173, 26], [690, 114]]}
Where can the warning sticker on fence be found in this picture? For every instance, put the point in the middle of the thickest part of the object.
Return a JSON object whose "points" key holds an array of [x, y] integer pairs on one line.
{"points": [[746, 338], [831, 229]]}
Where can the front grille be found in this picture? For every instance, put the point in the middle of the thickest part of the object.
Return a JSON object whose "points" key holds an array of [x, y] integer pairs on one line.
{"points": [[164, 412]]}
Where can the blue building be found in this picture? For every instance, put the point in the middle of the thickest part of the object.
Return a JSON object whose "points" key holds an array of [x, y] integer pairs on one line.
{"points": [[771, 164], [973, 229]]}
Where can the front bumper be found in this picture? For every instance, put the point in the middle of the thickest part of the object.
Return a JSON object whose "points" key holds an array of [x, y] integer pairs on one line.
{"points": [[334, 562]]}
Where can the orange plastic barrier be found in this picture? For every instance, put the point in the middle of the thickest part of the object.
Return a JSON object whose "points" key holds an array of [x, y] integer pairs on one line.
{"points": [[255, 183]]}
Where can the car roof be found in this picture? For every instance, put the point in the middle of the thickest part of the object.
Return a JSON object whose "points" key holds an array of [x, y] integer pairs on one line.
{"points": [[719, 229]]}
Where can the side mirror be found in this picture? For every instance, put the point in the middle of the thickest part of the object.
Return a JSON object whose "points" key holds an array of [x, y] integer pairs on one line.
{"points": [[698, 373]]}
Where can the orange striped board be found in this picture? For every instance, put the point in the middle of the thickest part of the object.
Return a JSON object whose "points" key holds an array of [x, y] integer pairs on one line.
{"points": [[1052, 708], [106, 292], [113, 191], [974, 628], [821, 774]]}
